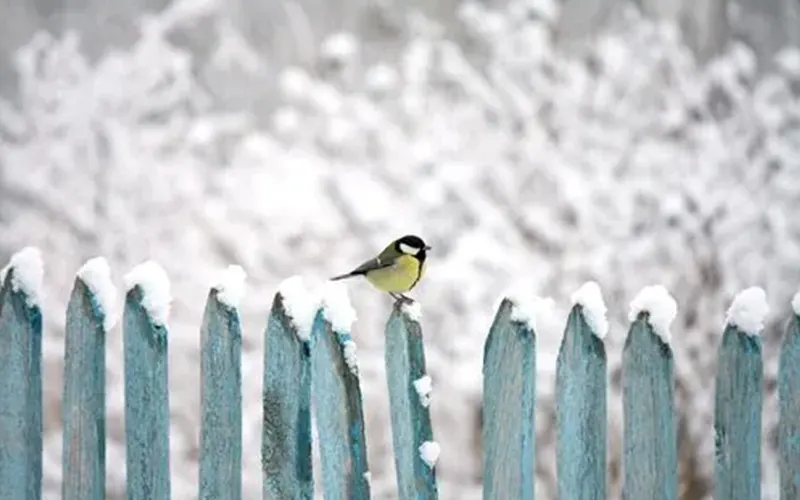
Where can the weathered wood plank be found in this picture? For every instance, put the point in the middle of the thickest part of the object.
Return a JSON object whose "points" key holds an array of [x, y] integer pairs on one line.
{"points": [[221, 401], [146, 401], [412, 435], [581, 371], [84, 403], [509, 392], [286, 400], [789, 411], [737, 416], [650, 456], [339, 413], [20, 392]]}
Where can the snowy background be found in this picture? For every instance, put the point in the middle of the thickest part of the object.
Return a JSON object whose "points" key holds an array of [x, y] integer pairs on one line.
{"points": [[301, 136]]}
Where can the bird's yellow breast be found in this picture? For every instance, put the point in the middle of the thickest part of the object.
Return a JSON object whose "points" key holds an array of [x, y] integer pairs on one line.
{"points": [[399, 278]]}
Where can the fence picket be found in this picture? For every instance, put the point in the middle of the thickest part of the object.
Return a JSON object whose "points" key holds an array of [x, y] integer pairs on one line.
{"points": [[737, 416], [650, 458], [20, 391], [84, 404], [509, 383], [286, 402], [146, 401], [339, 413], [581, 411], [789, 411], [415, 452], [221, 401]]}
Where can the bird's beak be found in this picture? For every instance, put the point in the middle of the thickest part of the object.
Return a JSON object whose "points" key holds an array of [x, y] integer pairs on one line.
{"points": [[427, 247]]}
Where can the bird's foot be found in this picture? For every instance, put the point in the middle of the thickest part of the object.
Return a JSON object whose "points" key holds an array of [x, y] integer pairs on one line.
{"points": [[399, 298]]}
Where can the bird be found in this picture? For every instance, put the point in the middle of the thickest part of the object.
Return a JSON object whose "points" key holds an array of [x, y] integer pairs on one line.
{"points": [[397, 269]]}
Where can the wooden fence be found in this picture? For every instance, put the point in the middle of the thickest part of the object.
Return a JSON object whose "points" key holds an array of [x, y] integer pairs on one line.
{"points": [[308, 353]]}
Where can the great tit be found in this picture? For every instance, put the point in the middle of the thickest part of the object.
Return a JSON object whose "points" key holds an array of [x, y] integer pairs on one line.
{"points": [[397, 269]]}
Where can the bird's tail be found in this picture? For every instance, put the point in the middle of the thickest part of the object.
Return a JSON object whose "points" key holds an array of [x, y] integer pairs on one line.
{"points": [[343, 276]]}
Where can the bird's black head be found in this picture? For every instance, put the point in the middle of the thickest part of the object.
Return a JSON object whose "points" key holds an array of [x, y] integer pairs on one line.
{"points": [[412, 245]]}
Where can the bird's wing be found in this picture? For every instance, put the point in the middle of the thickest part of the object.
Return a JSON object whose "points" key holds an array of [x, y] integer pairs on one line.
{"points": [[379, 262], [373, 264]]}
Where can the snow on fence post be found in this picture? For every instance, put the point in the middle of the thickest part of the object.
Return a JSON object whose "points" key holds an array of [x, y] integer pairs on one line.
{"points": [[738, 400], [90, 314], [509, 397], [221, 390], [581, 371], [21, 377], [650, 459], [415, 451], [145, 340], [789, 407], [286, 399], [337, 399]]}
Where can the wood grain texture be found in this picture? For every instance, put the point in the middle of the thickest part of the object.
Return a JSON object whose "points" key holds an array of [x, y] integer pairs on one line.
{"points": [[286, 402], [789, 412], [650, 460], [581, 373], [404, 357], [737, 417], [339, 416], [20, 395], [509, 393], [146, 403], [83, 410], [221, 402]]}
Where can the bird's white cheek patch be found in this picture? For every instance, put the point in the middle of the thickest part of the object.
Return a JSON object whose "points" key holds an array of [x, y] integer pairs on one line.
{"points": [[408, 249]]}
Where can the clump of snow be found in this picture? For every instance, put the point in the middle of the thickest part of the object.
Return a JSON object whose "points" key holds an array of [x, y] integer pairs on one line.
{"points": [[660, 305], [300, 303], [96, 275], [28, 274], [368, 477], [538, 313], [590, 298], [337, 308], [748, 310], [350, 356], [412, 310], [429, 452], [424, 387], [796, 303], [154, 283], [230, 286]]}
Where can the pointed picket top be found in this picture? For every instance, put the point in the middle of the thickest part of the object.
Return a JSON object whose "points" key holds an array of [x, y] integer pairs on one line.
{"points": [[739, 398], [789, 407], [415, 450], [650, 461], [95, 274], [221, 389], [91, 312], [21, 371], [145, 339], [337, 398], [286, 400], [581, 383], [509, 395]]}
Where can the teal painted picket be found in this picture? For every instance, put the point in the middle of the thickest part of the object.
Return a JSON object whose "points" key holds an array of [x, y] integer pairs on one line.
{"points": [[309, 355]]}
